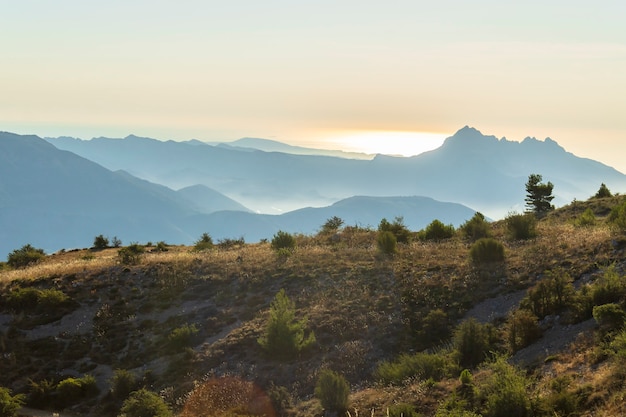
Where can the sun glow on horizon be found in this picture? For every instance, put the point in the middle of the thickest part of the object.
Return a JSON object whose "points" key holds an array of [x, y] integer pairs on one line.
{"points": [[389, 142]]}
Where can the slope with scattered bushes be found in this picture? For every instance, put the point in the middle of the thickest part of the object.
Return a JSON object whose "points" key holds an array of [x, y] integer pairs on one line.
{"points": [[184, 327]]}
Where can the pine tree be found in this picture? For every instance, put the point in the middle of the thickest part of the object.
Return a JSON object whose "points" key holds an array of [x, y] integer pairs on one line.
{"points": [[538, 195], [284, 335]]}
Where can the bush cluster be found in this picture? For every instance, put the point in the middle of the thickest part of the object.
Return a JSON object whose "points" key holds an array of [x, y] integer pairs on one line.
{"points": [[25, 256], [436, 230], [131, 254], [521, 226], [283, 240], [476, 228], [421, 365], [486, 250], [397, 228], [333, 391]]}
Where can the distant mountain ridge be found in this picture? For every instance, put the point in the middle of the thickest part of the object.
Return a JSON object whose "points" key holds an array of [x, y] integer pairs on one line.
{"points": [[55, 199], [268, 145], [479, 171]]}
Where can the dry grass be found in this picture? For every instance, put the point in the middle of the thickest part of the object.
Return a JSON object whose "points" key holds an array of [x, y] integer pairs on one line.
{"points": [[360, 304]]}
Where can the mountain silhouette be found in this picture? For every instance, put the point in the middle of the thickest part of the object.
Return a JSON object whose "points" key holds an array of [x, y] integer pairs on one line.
{"points": [[55, 199], [483, 172]]}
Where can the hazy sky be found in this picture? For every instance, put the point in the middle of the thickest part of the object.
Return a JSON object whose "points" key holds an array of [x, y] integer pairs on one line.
{"points": [[324, 73]]}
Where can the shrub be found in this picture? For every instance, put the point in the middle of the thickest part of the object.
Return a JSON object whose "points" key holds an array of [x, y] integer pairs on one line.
{"points": [[73, 390], [476, 227], [603, 192], [283, 240], [504, 394], [521, 226], [116, 242], [227, 243], [122, 383], [284, 336], [402, 410], [522, 329], [387, 242], [131, 255], [204, 243], [609, 288], [333, 391], [551, 295], [420, 365], [144, 403], [25, 256], [609, 316], [332, 225], [586, 219], [433, 329], [399, 230], [472, 342], [100, 242], [436, 230], [10, 404], [36, 300], [618, 216], [41, 393], [160, 247], [486, 250], [182, 337]]}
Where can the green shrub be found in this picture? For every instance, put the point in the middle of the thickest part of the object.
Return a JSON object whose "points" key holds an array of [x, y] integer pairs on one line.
{"points": [[100, 242], [160, 247], [436, 230], [522, 329], [333, 391], [420, 365], [609, 316], [72, 390], [521, 226], [332, 225], [402, 410], [476, 227], [182, 337], [284, 336], [618, 216], [387, 243], [25, 256], [227, 243], [144, 403], [204, 243], [397, 227], [10, 404], [41, 394], [283, 240], [586, 219], [552, 295], [131, 255], [505, 394], [609, 288], [36, 300], [486, 250], [472, 342], [122, 383]]}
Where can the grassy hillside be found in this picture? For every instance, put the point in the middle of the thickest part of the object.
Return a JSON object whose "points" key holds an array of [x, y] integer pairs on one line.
{"points": [[399, 328]]}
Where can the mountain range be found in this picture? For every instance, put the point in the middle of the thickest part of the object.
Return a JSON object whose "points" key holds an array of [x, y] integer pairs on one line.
{"points": [[55, 199], [482, 172]]}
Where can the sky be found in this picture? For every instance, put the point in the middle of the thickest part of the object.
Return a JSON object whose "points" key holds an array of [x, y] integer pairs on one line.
{"points": [[391, 77]]}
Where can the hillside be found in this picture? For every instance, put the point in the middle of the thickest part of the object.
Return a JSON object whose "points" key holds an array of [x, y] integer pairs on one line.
{"points": [[182, 319]]}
